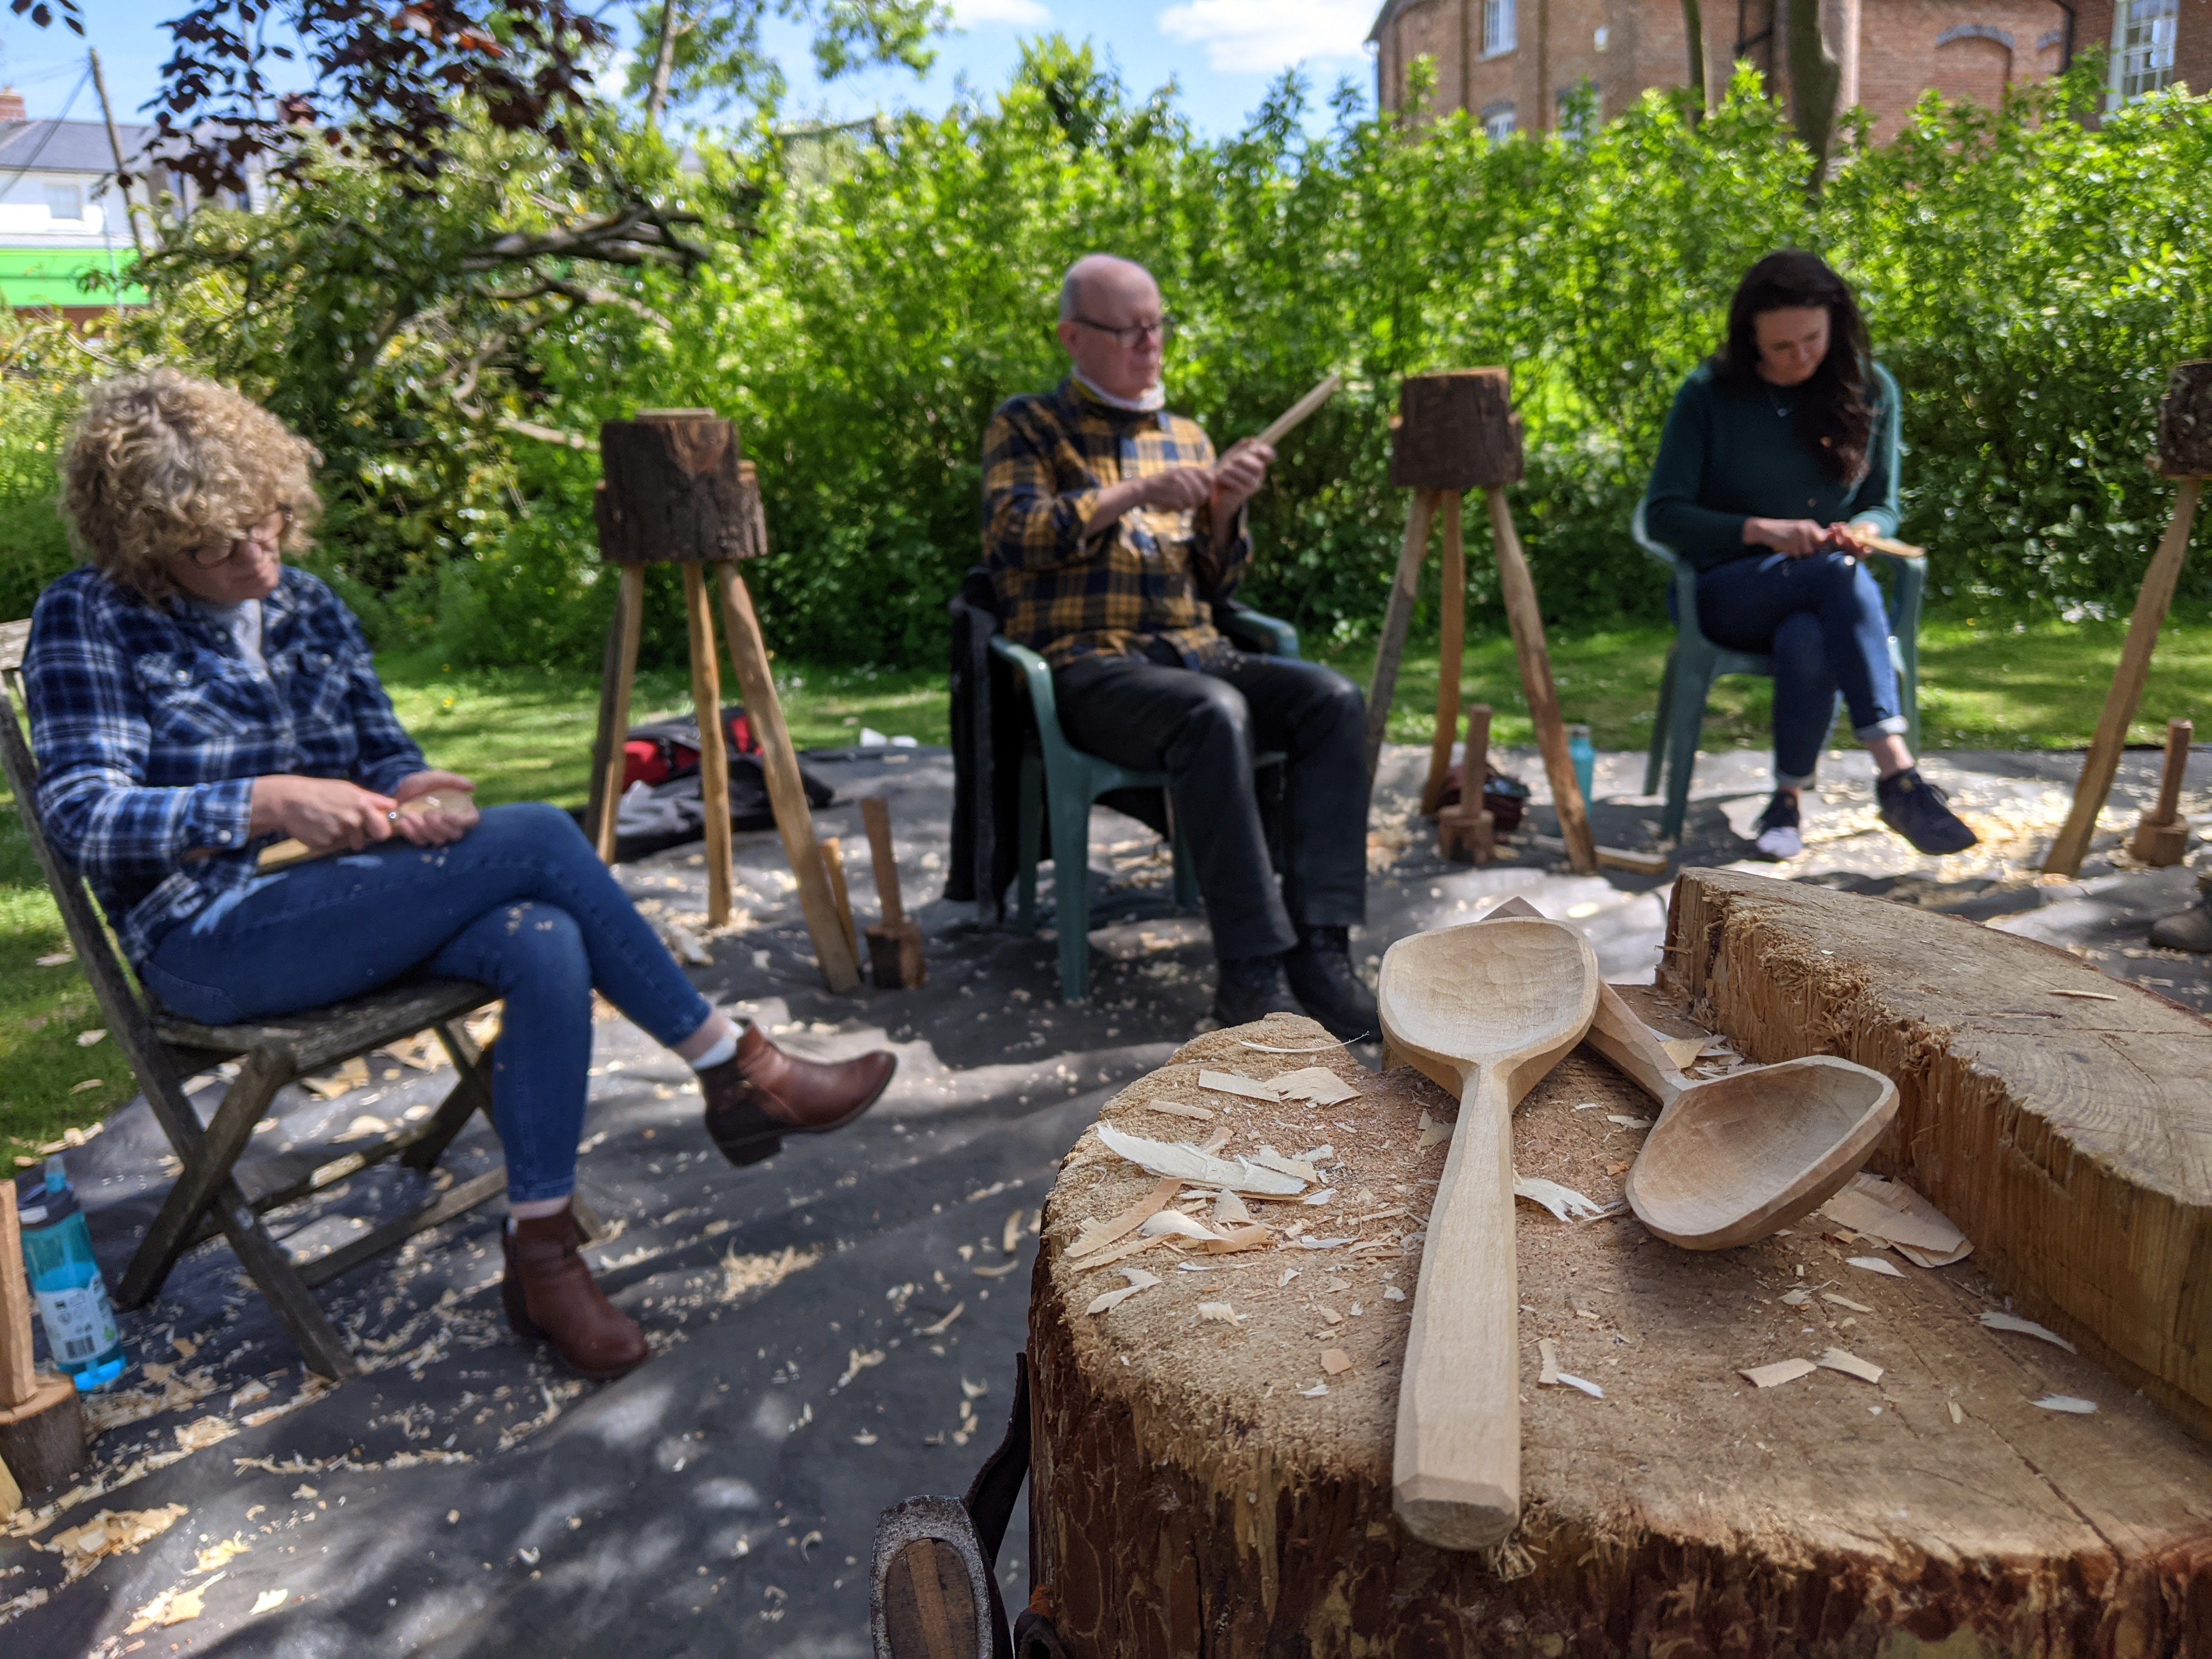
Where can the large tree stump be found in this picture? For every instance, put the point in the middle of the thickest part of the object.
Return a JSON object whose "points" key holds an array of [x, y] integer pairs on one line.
{"points": [[2063, 1119], [2185, 423], [676, 492], [1193, 1494]]}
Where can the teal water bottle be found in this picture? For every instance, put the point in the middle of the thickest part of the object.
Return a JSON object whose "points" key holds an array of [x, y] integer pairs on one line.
{"points": [[65, 1282], [1584, 758]]}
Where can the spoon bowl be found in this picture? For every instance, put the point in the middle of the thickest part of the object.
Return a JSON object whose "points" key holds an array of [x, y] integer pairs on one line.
{"points": [[1738, 1157], [1451, 997]]}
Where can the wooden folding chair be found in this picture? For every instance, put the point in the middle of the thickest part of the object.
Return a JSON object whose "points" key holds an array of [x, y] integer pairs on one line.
{"points": [[207, 1196]]}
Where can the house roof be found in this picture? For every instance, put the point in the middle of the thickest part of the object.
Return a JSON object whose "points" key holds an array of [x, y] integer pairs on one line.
{"points": [[1389, 9], [65, 146]]}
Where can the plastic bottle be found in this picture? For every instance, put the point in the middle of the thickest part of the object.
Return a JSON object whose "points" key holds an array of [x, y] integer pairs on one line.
{"points": [[66, 1282], [1584, 758]]}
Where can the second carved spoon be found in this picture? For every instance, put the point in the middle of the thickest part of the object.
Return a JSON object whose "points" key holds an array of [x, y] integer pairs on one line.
{"points": [[1733, 1158]]}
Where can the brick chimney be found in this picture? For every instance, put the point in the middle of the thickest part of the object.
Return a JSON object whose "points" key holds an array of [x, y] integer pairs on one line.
{"points": [[11, 105]]}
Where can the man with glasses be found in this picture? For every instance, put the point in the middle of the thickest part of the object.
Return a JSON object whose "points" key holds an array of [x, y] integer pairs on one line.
{"points": [[1111, 530]]}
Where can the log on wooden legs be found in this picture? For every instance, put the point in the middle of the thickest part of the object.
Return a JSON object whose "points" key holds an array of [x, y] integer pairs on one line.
{"points": [[41, 1427], [2185, 423], [1397, 616], [676, 492], [1209, 1486], [1456, 430], [2057, 1115], [2162, 834]]}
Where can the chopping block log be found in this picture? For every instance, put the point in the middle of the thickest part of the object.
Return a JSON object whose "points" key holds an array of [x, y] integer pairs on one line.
{"points": [[42, 1440], [1456, 431], [2057, 1115], [677, 491], [2185, 451], [2162, 834], [894, 942], [1198, 1491]]}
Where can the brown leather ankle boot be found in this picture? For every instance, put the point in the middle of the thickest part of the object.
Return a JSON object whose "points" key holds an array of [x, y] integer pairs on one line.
{"points": [[550, 1294], [764, 1094]]}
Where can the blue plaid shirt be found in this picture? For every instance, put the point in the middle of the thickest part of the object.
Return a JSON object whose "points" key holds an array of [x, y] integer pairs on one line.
{"points": [[150, 726]]}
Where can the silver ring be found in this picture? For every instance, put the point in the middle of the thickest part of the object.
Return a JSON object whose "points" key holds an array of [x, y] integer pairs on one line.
{"points": [[392, 816]]}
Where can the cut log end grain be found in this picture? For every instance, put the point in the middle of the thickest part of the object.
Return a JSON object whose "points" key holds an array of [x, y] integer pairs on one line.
{"points": [[2185, 423], [2049, 1112], [1456, 431], [1201, 1487]]}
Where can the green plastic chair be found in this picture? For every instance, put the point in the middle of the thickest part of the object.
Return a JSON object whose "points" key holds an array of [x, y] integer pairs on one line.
{"points": [[1058, 778], [1694, 662]]}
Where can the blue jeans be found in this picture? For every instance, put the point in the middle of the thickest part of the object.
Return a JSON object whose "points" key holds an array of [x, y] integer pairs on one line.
{"points": [[1821, 619], [520, 903]]}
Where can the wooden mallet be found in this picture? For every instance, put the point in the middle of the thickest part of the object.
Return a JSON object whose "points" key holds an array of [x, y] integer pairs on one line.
{"points": [[41, 1426], [1296, 414], [894, 943], [1466, 831], [2162, 834]]}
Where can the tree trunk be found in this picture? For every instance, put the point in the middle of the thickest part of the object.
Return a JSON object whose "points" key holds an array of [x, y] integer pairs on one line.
{"points": [[1815, 76], [1694, 35], [663, 62]]}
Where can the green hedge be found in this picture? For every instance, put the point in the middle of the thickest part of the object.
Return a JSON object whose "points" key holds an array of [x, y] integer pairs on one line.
{"points": [[869, 301]]}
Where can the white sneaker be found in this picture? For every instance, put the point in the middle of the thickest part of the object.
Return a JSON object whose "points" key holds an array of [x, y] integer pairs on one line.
{"points": [[1783, 841]]}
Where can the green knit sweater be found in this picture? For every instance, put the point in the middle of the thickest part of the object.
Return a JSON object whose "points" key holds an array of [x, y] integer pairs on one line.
{"points": [[1732, 453]]}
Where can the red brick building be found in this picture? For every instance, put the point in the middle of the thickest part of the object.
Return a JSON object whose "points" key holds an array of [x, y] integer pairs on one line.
{"points": [[1514, 63]]}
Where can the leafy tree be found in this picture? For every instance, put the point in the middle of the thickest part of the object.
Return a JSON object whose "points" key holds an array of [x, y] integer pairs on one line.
{"points": [[710, 50]]}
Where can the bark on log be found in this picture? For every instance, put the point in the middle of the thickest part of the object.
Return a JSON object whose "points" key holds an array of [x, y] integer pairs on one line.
{"points": [[1193, 1494], [1456, 431], [2185, 423], [676, 491], [2062, 1118], [42, 1440]]}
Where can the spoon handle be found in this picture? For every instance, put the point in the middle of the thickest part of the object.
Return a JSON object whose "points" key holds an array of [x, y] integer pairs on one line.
{"points": [[1456, 1481], [1630, 1044]]}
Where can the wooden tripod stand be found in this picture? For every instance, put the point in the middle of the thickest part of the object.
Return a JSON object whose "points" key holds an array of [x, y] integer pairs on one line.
{"points": [[676, 492], [1456, 432], [2184, 453]]}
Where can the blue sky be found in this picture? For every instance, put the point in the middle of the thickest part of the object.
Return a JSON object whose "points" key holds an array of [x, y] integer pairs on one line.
{"points": [[1222, 53]]}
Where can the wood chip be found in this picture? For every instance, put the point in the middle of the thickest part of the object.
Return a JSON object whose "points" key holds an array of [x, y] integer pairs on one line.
{"points": [[1627, 1123], [1547, 1351], [1842, 1359], [1335, 1361], [1236, 1082], [944, 1324], [2005, 1322], [1844, 1302], [1314, 1201], [1177, 1109], [1183, 1162], [1957, 1416], [2067, 1402], [1569, 1379], [1563, 1202], [1270, 1048], [269, 1600], [1332, 1316], [1250, 1236], [1314, 1083], [1392, 1293], [1781, 1371], [2086, 996], [1434, 1132], [1220, 1313], [1892, 1211], [1138, 1280], [56, 959], [999, 1272], [1268, 1159], [1228, 1210], [1318, 1391], [1174, 1223], [1796, 1299], [1125, 1223], [1873, 1264]]}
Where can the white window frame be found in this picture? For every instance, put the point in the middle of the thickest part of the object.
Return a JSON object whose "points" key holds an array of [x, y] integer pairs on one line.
{"points": [[2142, 47], [74, 195], [1498, 123], [1500, 22]]}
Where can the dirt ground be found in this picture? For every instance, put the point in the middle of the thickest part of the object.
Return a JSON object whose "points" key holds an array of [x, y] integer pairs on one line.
{"points": [[834, 1330]]}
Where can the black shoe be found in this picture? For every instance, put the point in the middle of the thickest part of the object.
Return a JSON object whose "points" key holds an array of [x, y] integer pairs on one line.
{"points": [[1920, 812], [1253, 988], [1776, 835], [2191, 930], [1320, 971]]}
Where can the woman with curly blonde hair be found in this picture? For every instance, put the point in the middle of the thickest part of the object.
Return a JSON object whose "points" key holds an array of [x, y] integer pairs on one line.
{"points": [[192, 698]]}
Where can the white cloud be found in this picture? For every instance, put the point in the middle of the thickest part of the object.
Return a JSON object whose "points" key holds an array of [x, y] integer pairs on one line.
{"points": [[1263, 37], [612, 81], [1017, 14]]}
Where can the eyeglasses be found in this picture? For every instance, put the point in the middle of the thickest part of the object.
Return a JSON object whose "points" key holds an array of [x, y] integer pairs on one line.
{"points": [[1160, 328], [268, 533]]}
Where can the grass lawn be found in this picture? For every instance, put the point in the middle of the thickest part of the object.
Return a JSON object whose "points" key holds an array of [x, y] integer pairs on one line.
{"points": [[526, 736]]}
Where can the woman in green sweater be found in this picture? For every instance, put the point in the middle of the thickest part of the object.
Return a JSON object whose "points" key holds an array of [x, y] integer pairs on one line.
{"points": [[1773, 468]]}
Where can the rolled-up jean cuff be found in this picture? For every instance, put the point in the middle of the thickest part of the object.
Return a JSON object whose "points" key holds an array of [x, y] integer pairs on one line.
{"points": [[1894, 726], [1783, 781], [538, 1191]]}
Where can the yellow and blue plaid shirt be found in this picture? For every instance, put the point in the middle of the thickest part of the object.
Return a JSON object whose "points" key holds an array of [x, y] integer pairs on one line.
{"points": [[1150, 575]]}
